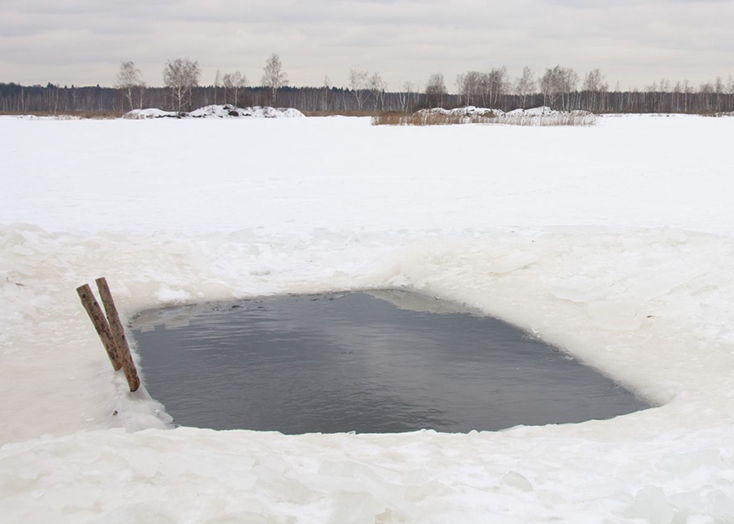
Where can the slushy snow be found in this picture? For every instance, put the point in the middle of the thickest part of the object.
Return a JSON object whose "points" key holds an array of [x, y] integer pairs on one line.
{"points": [[614, 242]]}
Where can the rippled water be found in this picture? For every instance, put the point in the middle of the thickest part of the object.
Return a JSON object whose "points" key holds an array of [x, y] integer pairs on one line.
{"points": [[378, 362]]}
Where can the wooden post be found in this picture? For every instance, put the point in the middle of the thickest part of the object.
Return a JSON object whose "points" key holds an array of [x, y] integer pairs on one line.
{"points": [[100, 323], [118, 335]]}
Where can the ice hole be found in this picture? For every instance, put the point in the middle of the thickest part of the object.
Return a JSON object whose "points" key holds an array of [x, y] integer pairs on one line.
{"points": [[370, 362]]}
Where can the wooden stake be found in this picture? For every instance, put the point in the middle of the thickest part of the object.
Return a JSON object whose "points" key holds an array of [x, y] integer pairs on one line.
{"points": [[118, 335], [100, 324]]}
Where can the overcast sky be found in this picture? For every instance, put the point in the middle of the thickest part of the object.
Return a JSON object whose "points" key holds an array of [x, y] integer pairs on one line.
{"points": [[634, 42]]}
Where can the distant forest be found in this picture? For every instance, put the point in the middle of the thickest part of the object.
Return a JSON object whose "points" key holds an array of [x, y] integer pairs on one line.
{"points": [[560, 88]]}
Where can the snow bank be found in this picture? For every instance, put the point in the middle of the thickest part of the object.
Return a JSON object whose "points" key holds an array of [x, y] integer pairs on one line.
{"points": [[569, 248], [39, 117], [217, 111], [661, 327], [140, 114], [534, 111], [463, 111]]}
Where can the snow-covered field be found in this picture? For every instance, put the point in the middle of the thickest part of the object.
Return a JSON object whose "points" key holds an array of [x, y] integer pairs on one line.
{"points": [[614, 241]]}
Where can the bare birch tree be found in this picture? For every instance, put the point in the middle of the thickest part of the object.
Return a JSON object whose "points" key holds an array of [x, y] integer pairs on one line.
{"points": [[181, 76], [594, 85], [130, 80], [568, 85], [273, 76], [435, 90], [325, 96], [470, 87], [358, 85], [496, 85], [217, 82], [594, 81], [406, 97], [558, 82], [459, 82], [377, 87], [234, 83], [525, 85]]}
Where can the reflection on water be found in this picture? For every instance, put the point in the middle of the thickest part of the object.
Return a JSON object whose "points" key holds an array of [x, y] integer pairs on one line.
{"points": [[378, 363]]}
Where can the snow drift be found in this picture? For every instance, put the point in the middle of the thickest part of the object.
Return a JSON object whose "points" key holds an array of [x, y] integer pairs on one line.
{"points": [[463, 111], [216, 111]]}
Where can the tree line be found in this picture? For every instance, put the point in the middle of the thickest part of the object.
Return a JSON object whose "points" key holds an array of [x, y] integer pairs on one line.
{"points": [[558, 87]]}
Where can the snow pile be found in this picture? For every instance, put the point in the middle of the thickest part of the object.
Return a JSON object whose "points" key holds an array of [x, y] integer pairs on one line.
{"points": [[269, 112], [467, 111], [217, 111], [534, 111], [225, 111], [141, 114], [41, 117], [593, 256], [545, 111]]}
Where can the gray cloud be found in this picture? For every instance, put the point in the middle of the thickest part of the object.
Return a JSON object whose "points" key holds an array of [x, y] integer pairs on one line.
{"points": [[632, 41]]}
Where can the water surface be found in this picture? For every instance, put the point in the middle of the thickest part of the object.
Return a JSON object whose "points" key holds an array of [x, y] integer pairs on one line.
{"points": [[367, 362]]}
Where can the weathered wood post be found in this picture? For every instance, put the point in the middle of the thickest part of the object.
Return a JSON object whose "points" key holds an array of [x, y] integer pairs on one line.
{"points": [[118, 335], [100, 324]]}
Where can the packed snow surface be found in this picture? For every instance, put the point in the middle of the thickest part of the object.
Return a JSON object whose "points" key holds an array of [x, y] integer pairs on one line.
{"points": [[613, 242], [216, 111]]}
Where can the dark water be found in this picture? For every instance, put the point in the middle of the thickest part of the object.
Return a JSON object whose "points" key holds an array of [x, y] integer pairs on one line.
{"points": [[356, 362]]}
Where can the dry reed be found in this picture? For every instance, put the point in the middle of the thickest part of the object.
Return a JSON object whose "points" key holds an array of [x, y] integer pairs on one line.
{"points": [[443, 118]]}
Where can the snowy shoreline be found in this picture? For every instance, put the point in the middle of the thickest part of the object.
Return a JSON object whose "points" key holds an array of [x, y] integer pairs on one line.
{"points": [[628, 283]]}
